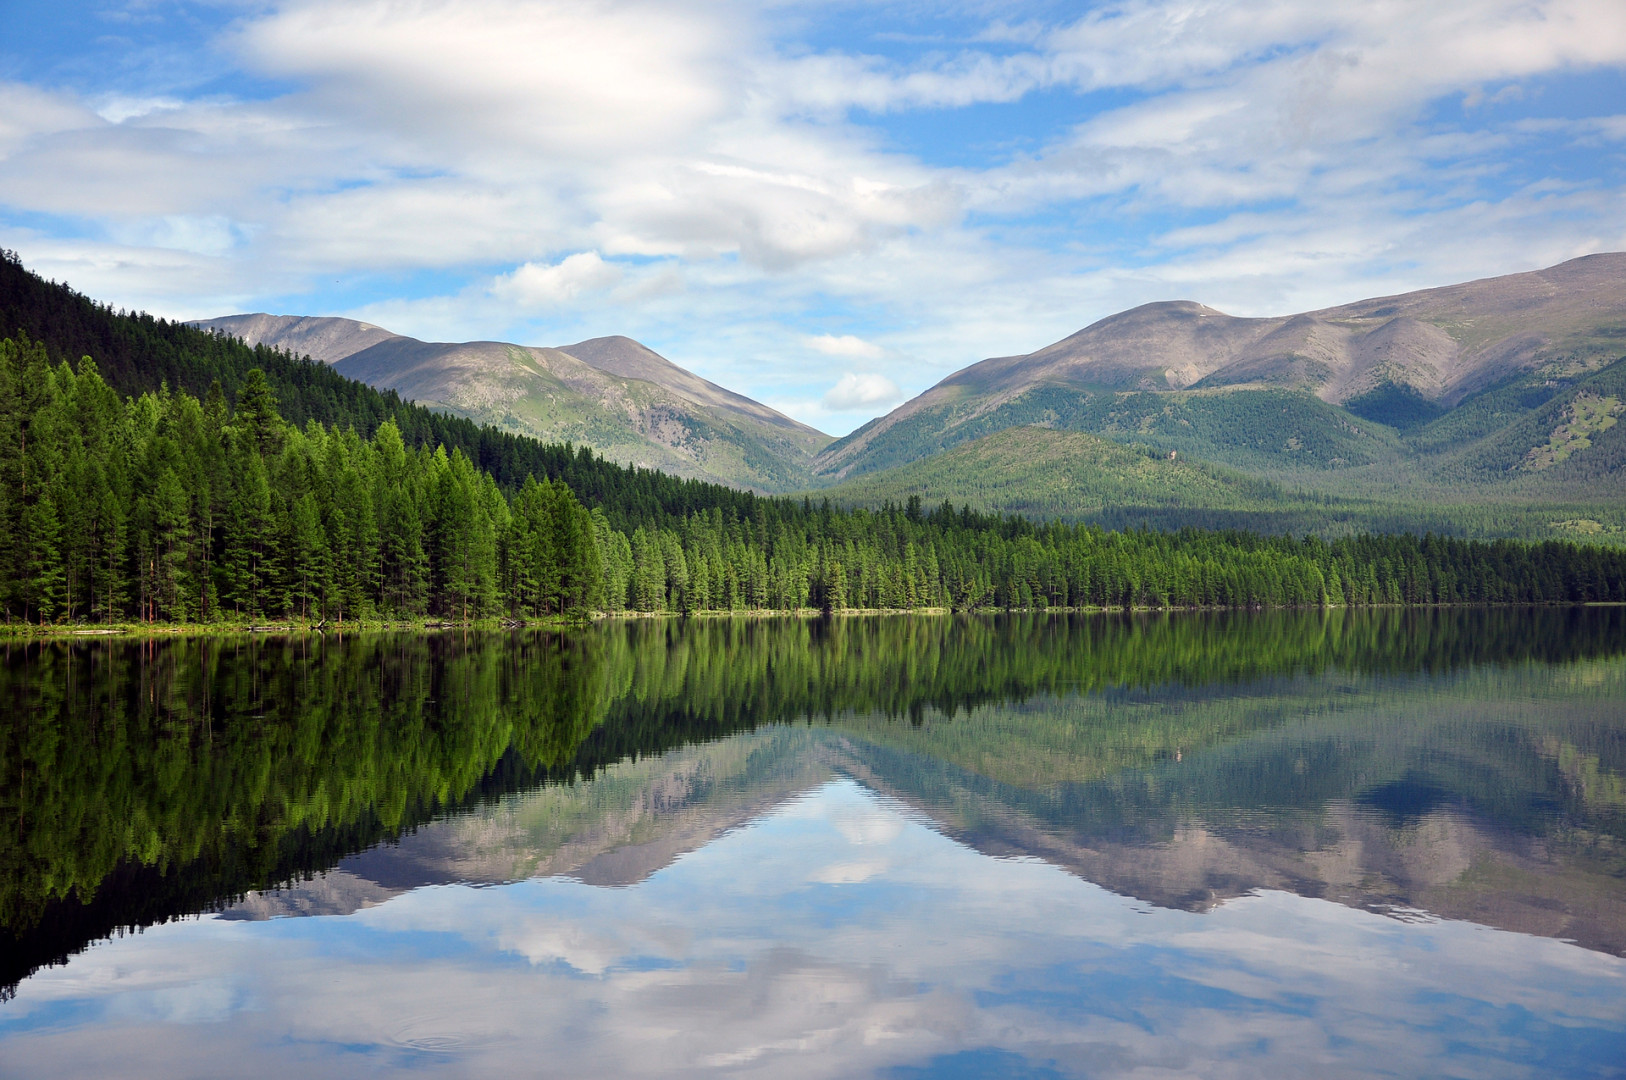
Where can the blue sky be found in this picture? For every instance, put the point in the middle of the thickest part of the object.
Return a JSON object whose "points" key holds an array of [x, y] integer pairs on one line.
{"points": [[827, 206]]}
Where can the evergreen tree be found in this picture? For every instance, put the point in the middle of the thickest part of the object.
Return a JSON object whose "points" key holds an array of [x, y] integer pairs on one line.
{"points": [[310, 559], [248, 531], [256, 414], [42, 572], [172, 520]]}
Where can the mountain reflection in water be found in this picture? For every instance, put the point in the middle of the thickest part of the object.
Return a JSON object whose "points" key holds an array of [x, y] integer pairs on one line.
{"points": [[779, 833]]}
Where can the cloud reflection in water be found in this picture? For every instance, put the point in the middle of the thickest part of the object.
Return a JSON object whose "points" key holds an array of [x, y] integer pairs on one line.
{"points": [[835, 935]]}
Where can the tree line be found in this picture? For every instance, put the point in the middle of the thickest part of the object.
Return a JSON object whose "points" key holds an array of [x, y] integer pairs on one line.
{"points": [[164, 507], [902, 557]]}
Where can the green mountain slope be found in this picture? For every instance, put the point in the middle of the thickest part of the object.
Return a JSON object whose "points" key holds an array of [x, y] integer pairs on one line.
{"points": [[1498, 388], [1078, 477], [1556, 427], [1265, 430], [613, 394], [1047, 473]]}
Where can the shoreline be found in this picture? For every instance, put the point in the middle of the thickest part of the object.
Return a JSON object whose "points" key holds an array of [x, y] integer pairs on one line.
{"points": [[292, 628]]}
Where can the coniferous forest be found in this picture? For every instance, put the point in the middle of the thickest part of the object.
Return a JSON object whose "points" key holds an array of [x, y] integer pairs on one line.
{"points": [[280, 490]]}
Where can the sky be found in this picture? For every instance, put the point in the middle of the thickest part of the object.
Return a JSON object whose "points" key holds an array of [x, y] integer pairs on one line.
{"points": [[825, 206]]}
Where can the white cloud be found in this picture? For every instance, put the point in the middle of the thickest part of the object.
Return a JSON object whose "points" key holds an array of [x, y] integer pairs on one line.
{"points": [[844, 345], [853, 391], [569, 77], [539, 285], [117, 108], [28, 112]]}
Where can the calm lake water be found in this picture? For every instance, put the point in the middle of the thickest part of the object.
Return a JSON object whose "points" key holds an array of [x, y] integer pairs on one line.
{"points": [[1280, 844]]}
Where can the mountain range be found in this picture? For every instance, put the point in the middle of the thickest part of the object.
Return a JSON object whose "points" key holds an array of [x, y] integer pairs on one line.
{"points": [[626, 401], [1491, 382], [1503, 390]]}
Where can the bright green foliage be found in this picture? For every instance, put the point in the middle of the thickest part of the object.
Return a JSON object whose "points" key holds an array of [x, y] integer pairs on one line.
{"points": [[165, 508], [550, 561], [139, 354]]}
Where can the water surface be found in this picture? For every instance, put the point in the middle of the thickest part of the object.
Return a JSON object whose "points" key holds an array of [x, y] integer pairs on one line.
{"points": [[1343, 844]]}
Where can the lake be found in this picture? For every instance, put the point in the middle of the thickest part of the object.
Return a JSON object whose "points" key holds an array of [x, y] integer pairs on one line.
{"points": [[1381, 843]]}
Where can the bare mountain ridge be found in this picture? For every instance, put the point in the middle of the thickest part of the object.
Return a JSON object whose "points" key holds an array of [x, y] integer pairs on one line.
{"points": [[1444, 344], [631, 359], [623, 399], [322, 339]]}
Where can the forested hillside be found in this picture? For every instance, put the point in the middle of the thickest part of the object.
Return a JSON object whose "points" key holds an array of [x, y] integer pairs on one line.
{"points": [[167, 508], [293, 493], [136, 353], [1077, 477]]}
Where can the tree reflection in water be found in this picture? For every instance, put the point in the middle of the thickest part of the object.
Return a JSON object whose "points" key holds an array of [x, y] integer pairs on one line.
{"points": [[1372, 757]]}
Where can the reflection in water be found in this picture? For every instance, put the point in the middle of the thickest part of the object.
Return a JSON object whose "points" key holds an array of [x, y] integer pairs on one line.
{"points": [[694, 876]]}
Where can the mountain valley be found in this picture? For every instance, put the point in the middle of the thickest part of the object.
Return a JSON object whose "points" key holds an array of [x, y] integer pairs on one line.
{"points": [[1496, 400]]}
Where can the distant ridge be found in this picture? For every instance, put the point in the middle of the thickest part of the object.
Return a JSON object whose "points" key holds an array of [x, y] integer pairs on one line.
{"points": [[323, 339], [1461, 384], [613, 394], [630, 359]]}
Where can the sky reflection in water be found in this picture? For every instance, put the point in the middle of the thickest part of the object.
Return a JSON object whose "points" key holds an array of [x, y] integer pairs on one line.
{"points": [[866, 896], [838, 935]]}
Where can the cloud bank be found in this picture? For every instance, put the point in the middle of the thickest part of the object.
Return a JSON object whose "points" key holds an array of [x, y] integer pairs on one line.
{"points": [[746, 186]]}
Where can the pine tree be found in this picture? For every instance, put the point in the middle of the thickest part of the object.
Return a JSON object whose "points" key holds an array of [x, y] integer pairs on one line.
{"points": [[648, 588], [256, 414], [309, 558], [173, 541], [248, 530], [402, 562], [12, 420], [616, 555], [42, 570]]}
